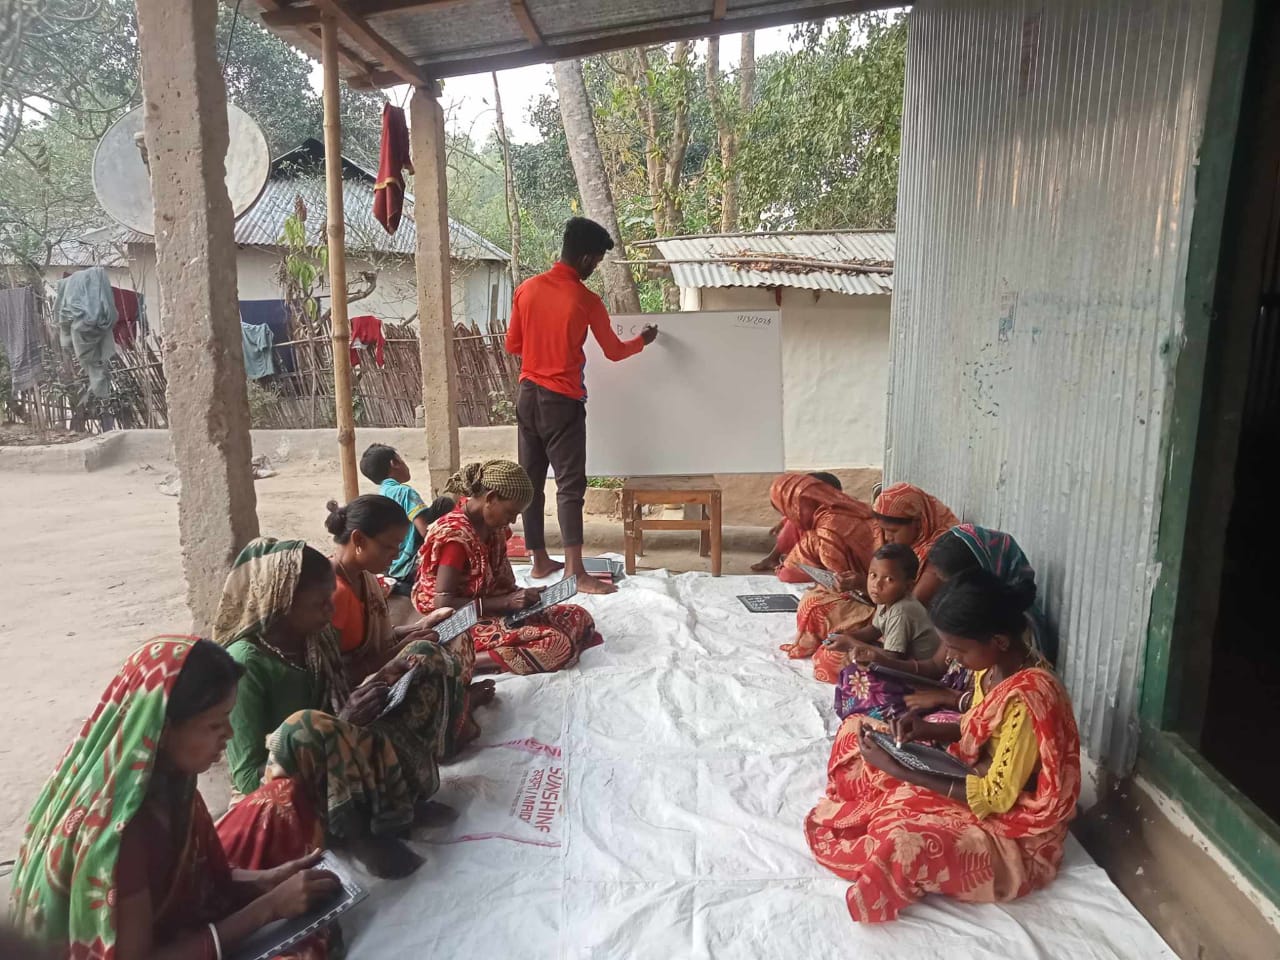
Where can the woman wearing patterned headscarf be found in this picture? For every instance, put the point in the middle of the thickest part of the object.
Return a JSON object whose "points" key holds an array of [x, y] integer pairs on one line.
{"points": [[906, 514], [837, 534], [464, 559], [120, 857], [368, 776]]}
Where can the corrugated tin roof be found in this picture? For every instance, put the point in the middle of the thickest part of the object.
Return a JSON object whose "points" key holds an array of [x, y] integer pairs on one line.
{"points": [[489, 34], [297, 173], [714, 260], [84, 252]]}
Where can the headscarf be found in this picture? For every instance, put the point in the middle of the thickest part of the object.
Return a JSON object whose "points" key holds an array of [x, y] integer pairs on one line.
{"points": [[906, 503], [258, 592], [836, 531], [998, 553], [505, 478], [64, 884]]}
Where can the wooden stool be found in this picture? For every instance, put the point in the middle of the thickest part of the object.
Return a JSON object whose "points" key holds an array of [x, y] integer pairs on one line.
{"points": [[704, 492]]}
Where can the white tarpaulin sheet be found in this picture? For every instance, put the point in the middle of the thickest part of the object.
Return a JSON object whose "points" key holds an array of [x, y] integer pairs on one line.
{"points": [[649, 804]]}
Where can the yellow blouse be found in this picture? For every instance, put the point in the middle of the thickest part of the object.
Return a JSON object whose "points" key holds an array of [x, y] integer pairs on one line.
{"points": [[1014, 754]]}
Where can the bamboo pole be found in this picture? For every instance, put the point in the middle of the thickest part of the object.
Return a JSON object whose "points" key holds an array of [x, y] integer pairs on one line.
{"points": [[339, 324]]}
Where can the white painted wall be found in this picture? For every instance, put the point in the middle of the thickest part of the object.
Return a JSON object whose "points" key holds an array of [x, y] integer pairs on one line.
{"points": [[835, 358], [395, 298]]}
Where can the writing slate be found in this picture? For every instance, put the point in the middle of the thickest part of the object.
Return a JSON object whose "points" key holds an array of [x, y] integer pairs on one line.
{"points": [[921, 758], [902, 676], [556, 593], [461, 621], [770, 602], [276, 938]]}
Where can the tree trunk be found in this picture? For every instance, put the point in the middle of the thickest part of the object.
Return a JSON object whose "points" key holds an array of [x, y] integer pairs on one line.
{"points": [[727, 137], [673, 172], [508, 176], [593, 184]]}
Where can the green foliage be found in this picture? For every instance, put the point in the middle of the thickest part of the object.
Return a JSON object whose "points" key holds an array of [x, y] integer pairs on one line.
{"points": [[821, 148], [303, 269], [501, 408]]}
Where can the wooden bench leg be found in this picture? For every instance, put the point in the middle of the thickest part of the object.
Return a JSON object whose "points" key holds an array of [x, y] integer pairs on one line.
{"points": [[629, 531], [704, 536], [717, 513]]}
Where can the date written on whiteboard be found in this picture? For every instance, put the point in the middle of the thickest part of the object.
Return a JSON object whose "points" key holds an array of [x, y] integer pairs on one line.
{"points": [[752, 321]]}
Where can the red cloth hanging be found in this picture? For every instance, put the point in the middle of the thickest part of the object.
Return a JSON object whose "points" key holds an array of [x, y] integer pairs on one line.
{"points": [[127, 312], [393, 160], [367, 329]]}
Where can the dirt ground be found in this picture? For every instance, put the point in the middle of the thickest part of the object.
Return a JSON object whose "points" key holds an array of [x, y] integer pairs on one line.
{"points": [[90, 569]]}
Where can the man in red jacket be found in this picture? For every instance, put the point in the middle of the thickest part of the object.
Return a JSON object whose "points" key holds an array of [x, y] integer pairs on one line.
{"points": [[550, 317]]}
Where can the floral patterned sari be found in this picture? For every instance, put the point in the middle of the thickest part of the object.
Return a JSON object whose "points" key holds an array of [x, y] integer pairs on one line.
{"points": [[898, 842], [550, 641]]}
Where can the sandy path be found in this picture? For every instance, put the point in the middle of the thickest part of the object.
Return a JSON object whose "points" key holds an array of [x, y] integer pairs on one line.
{"points": [[90, 569]]}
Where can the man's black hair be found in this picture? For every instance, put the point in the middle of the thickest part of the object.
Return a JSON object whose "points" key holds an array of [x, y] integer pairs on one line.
{"points": [[584, 238]]}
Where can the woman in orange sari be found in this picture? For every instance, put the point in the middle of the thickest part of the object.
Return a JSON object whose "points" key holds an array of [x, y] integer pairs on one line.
{"points": [[908, 515], [837, 533], [992, 836]]}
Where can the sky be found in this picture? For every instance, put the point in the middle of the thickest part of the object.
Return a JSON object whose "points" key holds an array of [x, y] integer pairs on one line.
{"points": [[468, 101]]}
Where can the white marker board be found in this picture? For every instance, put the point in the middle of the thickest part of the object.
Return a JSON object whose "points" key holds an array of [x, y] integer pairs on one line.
{"points": [[705, 397]]}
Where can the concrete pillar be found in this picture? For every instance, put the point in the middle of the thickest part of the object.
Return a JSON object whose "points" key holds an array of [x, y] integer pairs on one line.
{"points": [[186, 130], [435, 301]]}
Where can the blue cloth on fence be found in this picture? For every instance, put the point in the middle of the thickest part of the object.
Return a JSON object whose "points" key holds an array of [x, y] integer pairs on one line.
{"points": [[257, 341], [86, 314], [275, 314]]}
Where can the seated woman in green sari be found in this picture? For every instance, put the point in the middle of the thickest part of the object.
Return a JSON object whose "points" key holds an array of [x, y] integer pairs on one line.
{"points": [[120, 859], [368, 776]]}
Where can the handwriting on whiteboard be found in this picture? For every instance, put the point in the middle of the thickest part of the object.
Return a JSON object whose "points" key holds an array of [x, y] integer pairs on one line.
{"points": [[742, 321]]}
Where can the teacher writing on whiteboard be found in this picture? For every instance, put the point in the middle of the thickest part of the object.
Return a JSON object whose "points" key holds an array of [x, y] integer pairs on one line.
{"points": [[550, 317]]}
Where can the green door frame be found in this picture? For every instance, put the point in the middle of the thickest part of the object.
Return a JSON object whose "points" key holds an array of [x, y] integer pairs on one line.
{"points": [[1207, 388]]}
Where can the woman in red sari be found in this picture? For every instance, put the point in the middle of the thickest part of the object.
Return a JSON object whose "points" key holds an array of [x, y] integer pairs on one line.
{"points": [[464, 559], [995, 835], [837, 533], [906, 514]]}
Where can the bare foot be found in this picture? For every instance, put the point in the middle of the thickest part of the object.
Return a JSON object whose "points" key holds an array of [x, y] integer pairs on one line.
{"points": [[384, 857], [590, 585], [481, 693], [767, 565], [543, 566], [804, 646], [430, 813]]}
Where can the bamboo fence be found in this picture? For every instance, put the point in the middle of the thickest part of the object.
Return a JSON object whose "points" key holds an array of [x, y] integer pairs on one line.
{"points": [[296, 398]]}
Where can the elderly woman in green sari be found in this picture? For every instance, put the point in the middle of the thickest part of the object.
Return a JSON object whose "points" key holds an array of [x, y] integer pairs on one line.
{"points": [[369, 775]]}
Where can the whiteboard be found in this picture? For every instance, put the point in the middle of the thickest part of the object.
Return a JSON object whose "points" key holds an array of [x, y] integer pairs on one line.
{"points": [[705, 397]]}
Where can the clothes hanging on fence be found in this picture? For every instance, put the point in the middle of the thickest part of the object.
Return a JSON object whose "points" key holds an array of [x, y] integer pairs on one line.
{"points": [[257, 341], [86, 312], [393, 160], [367, 330], [20, 337], [130, 320], [275, 314]]}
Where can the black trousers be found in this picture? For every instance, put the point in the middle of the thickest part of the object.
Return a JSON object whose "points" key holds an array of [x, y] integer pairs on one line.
{"points": [[553, 432]]}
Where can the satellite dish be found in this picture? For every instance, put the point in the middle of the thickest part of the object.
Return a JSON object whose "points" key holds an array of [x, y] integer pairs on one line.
{"points": [[122, 178]]}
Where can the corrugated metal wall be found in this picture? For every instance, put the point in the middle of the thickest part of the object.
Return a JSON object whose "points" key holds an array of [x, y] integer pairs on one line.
{"points": [[1044, 212]]}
